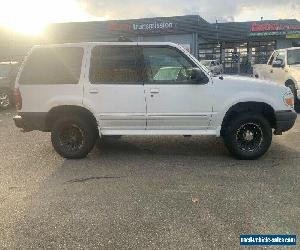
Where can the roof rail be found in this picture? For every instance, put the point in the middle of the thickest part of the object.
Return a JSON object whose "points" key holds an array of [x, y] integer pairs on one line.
{"points": [[124, 39]]}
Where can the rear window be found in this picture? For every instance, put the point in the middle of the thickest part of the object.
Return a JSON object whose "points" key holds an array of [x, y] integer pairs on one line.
{"points": [[53, 66]]}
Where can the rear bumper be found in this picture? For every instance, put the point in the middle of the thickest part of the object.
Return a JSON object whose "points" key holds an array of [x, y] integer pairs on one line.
{"points": [[19, 121], [31, 121], [285, 120]]}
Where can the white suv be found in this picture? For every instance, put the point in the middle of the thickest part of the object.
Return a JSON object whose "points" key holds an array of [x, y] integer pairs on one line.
{"points": [[79, 92]]}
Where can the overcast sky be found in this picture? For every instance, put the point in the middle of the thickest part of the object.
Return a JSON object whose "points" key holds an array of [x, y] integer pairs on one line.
{"points": [[31, 16], [225, 10]]}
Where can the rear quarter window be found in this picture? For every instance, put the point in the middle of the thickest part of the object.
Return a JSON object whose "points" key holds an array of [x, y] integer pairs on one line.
{"points": [[48, 66]]}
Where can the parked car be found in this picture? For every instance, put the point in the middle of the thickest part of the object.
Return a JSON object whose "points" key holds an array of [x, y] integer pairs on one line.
{"points": [[8, 72], [79, 92], [283, 67], [213, 66]]}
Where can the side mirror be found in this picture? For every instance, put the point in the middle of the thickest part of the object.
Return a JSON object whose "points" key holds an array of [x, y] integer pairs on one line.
{"points": [[198, 76], [278, 63]]}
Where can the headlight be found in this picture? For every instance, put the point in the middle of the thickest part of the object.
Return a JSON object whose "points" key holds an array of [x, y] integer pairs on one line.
{"points": [[289, 99]]}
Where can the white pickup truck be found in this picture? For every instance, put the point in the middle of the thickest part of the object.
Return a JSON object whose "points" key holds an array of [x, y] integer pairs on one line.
{"points": [[283, 68]]}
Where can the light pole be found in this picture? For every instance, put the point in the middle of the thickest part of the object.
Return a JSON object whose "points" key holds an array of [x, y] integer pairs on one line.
{"points": [[218, 42]]}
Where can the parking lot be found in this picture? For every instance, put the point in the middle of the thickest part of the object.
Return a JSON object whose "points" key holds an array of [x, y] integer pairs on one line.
{"points": [[144, 193]]}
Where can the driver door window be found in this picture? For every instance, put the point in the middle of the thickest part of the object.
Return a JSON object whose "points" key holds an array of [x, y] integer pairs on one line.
{"points": [[280, 56], [166, 65]]}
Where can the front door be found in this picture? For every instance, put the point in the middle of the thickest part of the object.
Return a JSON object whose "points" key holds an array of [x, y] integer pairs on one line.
{"points": [[115, 90], [174, 101]]}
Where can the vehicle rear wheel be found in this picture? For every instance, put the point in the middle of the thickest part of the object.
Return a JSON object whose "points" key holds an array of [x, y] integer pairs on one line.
{"points": [[248, 136], [5, 100], [73, 137]]}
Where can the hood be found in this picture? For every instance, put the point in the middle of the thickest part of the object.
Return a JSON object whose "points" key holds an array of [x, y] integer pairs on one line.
{"points": [[244, 83]]}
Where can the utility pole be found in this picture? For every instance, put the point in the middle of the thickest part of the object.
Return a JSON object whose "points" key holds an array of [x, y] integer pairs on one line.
{"points": [[217, 30]]}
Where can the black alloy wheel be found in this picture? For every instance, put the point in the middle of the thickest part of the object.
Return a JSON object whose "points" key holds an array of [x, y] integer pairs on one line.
{"points": [[248, 136]]}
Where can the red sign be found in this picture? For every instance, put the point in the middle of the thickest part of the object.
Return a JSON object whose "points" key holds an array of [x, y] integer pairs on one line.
{"points": [[265, 27], [116, 26]]}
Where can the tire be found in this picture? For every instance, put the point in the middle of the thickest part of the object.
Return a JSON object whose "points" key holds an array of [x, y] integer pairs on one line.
{"points": [[5, 99], [248, 136], [73, 137]]}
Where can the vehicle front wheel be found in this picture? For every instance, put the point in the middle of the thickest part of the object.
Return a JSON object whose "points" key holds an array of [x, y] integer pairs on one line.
{"points": [[5, 100], [248, 136], [73, 137]]}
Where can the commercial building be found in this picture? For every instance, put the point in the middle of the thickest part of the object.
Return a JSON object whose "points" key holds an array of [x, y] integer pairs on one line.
{"points": [[237, 44]]}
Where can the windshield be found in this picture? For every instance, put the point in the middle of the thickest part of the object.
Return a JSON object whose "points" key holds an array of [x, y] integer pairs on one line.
{"points": [[293, 57], [5, 70]]}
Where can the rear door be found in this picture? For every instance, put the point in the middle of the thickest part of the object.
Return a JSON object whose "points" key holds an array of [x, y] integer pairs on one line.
{"points": [[174, 101], [114, 90]]}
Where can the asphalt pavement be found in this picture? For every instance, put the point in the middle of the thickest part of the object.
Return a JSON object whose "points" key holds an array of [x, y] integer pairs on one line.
{"points": [[144, 193]]}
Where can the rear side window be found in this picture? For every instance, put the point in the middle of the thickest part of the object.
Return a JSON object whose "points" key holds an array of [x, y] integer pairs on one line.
{"points": [[112, 64], [52, 66]]}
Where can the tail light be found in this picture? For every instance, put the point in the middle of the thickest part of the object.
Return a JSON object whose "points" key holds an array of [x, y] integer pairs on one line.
{"points": [[18, 98]]}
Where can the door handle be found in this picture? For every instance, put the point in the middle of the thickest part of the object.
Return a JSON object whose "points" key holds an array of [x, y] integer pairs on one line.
{"points": [[154, 91], [94, 91]]}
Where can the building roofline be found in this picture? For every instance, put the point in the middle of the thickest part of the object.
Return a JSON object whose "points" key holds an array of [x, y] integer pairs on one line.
{"points": [[174, 17], [133, 20]]}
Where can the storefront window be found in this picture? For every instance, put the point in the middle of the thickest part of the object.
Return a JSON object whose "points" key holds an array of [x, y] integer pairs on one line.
{"points": [[209, 51]]}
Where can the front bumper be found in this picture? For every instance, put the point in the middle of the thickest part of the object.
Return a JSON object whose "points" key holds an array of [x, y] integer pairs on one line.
{"points": [[285, 120]]}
